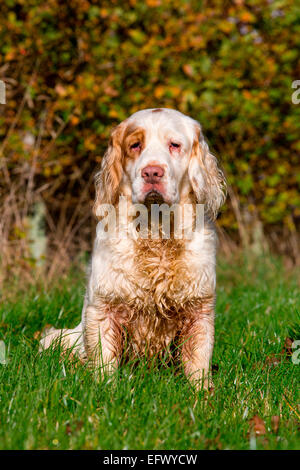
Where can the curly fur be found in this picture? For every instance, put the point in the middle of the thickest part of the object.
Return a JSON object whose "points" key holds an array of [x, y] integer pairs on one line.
{"points": [[144, 294]]}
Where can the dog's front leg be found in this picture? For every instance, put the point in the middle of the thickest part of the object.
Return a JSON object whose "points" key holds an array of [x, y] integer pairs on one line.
{"points": [[102, 338], [197, 347]]}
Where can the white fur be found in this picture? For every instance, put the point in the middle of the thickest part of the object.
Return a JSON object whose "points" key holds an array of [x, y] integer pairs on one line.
{"points": [[113, 273]]}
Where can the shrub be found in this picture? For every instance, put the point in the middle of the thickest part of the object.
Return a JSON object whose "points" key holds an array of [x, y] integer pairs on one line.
{"points": [[74, 70]]}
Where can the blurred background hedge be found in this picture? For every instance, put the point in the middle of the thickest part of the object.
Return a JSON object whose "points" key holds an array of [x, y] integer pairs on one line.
{"points": [[75, 69]]}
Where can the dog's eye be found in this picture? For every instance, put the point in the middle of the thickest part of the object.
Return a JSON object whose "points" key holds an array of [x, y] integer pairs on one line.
{"points": [[135, 146], [174, 146]]}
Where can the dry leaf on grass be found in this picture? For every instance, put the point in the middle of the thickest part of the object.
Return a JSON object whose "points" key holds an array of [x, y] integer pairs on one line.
{"points": [[257, 426], [69, 430], [274, 359], [287, 349]]}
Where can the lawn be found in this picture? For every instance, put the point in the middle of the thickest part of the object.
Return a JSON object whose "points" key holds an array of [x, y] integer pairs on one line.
{"points": [[52, 403]]}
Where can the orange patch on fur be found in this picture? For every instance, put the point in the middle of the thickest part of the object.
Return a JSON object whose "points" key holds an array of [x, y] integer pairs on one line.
{"points": [[132, 135]]}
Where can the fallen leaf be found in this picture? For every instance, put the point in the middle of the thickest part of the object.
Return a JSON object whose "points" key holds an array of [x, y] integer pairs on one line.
{"points": [[287, 350], [257, 425], [68, 430], [273, 360]]}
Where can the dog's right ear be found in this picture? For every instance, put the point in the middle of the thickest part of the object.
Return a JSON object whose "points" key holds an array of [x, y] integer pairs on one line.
{"points": [[108, 179]]}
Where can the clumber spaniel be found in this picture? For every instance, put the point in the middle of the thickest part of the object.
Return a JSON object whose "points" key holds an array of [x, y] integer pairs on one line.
{"points": [[147, 292]]}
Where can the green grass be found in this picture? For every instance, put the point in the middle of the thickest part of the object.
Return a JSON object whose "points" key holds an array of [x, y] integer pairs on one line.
{"points": [[47, 403]]}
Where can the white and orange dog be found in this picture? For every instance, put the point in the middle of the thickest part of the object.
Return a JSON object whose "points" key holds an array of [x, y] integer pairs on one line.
{"points": [[146, 293]]}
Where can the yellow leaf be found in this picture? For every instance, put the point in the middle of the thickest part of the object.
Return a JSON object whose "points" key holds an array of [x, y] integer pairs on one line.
{"points": [[247, 17], [113, 113], [153, 3], [74, 120], [159, 91]]}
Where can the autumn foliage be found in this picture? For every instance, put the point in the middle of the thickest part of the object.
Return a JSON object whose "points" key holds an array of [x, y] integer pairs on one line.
{"points": [[73, 70]]}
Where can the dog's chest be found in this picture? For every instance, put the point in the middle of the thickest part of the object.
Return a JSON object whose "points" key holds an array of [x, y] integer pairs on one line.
{"points": [[154, 299], [152, 292], [160, 273]]}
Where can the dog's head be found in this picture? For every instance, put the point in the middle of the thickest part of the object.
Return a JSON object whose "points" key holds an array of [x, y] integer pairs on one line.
{"points": [[160, 155]]}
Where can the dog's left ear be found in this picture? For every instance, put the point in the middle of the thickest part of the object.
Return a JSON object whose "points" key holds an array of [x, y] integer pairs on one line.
{"points": [[207, 180]]}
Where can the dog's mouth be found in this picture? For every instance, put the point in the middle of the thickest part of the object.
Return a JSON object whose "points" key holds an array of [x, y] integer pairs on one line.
{"points": [[153, 197]]}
